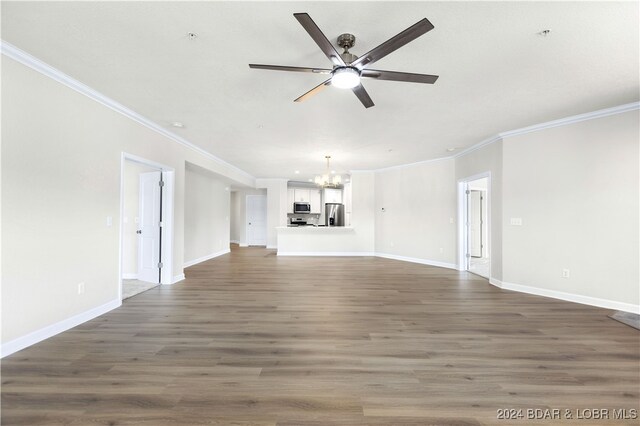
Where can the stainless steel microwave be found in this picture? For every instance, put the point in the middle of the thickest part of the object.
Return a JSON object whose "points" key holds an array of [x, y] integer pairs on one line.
{"points": [[301, 208]]}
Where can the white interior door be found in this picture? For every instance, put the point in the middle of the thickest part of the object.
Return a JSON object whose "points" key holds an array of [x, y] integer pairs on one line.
{"points": [[475, 223], [149, 242], [256, 220]]}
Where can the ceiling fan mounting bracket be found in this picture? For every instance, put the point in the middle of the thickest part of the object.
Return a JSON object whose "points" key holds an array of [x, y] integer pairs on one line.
{"points": [[346, 41]]}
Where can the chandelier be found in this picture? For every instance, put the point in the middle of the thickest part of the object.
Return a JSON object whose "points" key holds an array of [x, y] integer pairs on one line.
{"points": [[326, 180]]}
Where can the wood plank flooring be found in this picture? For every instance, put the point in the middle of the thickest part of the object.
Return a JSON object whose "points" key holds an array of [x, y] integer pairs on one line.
{"points": [[252, 339]]}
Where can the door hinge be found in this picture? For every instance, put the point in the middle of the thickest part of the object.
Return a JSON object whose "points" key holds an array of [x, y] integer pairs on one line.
{"points": [[160, 224], [468, 192], [161, 183], [159, 265], [468, 254]]}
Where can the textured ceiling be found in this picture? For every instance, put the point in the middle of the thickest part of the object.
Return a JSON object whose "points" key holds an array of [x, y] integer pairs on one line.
{"points": [[496, 73]]}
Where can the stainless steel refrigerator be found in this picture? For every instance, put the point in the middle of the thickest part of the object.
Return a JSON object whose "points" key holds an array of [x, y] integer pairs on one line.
{"points": [[334, 214]]}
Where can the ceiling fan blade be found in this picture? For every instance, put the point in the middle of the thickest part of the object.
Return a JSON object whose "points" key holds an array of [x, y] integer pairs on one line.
{"points": [[363, 96], [394, 43], [313, 91], [399, 76], [320, 39], [287, 68]]}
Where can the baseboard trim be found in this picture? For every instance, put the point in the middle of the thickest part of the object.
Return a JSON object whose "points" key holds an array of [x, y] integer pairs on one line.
{"points": [[272, 247], [34, 337], [129, 276], [243, 244], [176, 279], [234, 242], [326, 253], [418, 260], [569, 297], [205, 258], [496, 282]]}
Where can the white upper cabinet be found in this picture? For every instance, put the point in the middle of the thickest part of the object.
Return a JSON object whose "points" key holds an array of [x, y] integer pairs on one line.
{"points": [[314, 199], [302, 195], [290, 199], [332, 195]]}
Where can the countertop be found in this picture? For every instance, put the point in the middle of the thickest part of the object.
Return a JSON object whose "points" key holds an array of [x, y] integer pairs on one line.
{"points": [[316, 228]]}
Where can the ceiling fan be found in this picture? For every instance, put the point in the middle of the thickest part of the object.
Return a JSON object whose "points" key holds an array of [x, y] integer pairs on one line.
{"points": [[348, 69]]}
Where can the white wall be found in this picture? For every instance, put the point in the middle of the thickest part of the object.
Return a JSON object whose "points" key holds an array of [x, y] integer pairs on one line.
{"points": [[206, 214], [576, 189], [276, 206], [131, 188], [239, 213], [363, 218], [234, 235], [419, 204], [61, 165]]}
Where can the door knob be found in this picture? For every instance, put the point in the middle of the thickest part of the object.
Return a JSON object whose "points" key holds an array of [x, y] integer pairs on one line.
{"points": [[139, 231]]}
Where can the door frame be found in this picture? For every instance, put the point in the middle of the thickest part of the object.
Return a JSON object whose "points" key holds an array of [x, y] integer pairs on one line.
{"points": [[481, 224], [463, 261], [168, 225], [246, 219]]}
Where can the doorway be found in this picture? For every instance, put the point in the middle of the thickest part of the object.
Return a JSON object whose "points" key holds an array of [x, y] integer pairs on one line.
{"points": [[256, 220], [146, 225], [474, 231]]}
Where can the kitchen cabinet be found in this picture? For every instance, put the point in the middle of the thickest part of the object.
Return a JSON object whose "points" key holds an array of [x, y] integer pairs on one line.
{"points": [[290, 199], [332, 195], [314, 200], [301, 195]]}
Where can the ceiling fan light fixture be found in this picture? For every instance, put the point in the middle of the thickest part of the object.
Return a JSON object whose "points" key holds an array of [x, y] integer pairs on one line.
{"points": [[345, 77]]}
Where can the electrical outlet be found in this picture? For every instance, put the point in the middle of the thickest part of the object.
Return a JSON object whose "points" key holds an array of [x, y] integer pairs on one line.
{"points": [[566, 273], [516, 221], [450, 220], [441, 250], [392, 243], [109, 221], [81, 288]]}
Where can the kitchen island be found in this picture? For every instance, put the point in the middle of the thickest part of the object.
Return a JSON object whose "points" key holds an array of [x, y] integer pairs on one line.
{"points": [[321, 241]]}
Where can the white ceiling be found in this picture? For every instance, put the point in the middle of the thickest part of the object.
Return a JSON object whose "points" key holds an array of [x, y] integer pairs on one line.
{"points": [[496, 73]]}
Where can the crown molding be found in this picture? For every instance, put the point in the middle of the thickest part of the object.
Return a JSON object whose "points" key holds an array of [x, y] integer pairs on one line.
{"points": [[43, 68], [511, 133], [551, 124], [32, 62], [417, 163], [477, 146], [572, 119]]}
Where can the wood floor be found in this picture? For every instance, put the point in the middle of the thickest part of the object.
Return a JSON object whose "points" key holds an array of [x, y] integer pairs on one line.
{"points": [[253, 339]]}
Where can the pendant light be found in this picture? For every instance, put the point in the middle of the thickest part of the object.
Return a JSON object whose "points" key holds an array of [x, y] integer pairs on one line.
{"points": [[326, 180]]}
